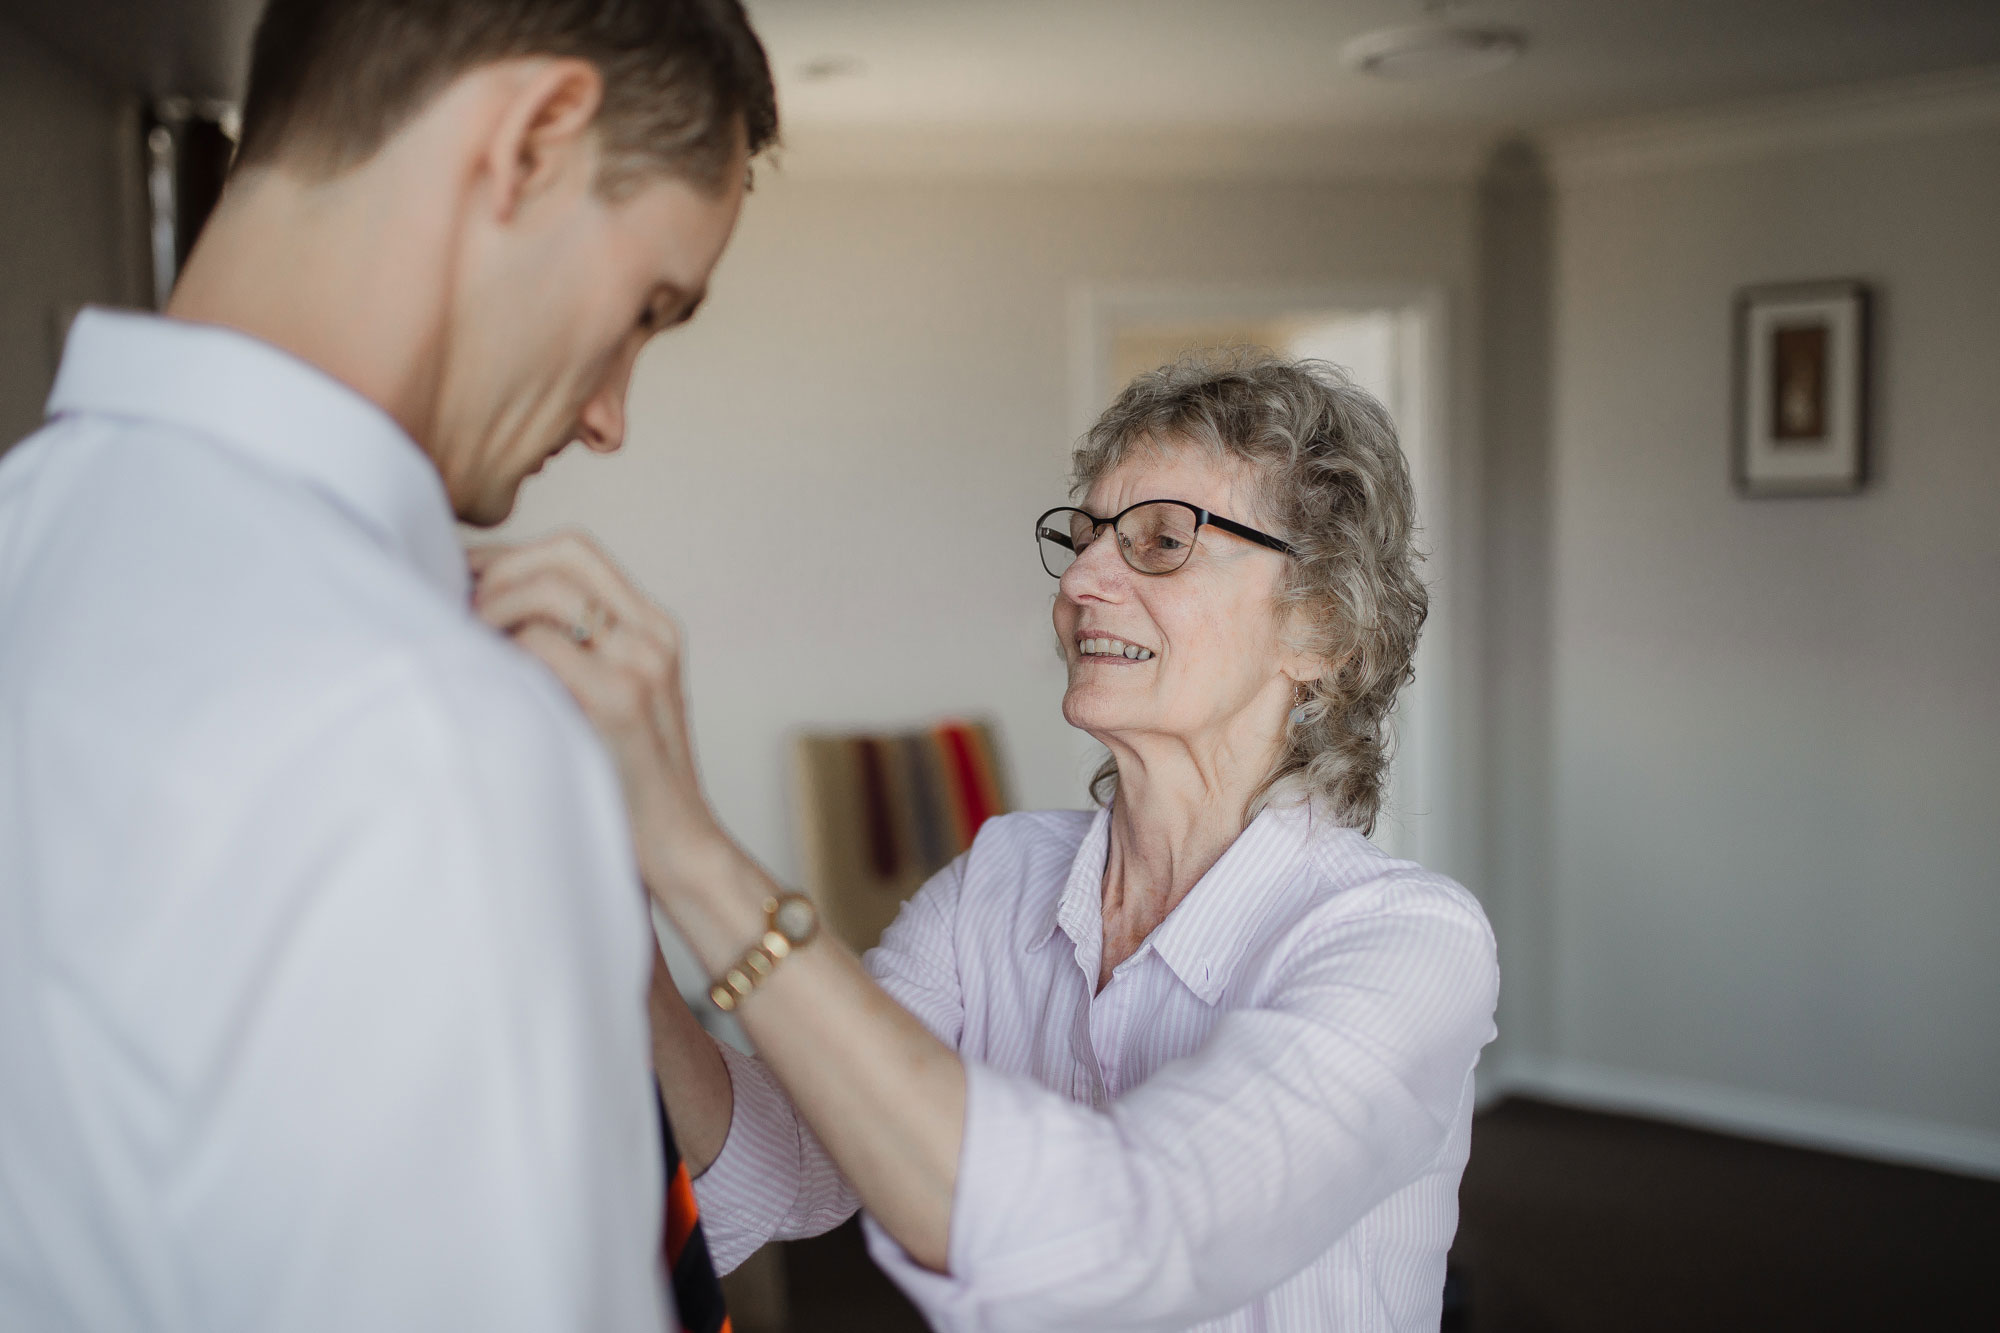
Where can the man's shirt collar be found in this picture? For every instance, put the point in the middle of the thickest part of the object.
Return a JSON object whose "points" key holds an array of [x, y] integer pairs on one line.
{"points": [[268, 405]]}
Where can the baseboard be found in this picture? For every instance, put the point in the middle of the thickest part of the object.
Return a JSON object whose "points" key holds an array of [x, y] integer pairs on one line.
{"points": [[1881, 1135]]}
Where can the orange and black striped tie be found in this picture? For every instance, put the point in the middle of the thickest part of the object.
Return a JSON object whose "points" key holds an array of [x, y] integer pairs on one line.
{"points": [[697, 1292]]}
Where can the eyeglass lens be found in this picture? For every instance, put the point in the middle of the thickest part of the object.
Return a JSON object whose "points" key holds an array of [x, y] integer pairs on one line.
{"points": [[1154, 538]]}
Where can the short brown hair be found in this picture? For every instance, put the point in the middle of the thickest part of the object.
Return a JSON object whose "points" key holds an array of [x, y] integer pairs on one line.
{"points": [[1334, 478], [331, 80]]}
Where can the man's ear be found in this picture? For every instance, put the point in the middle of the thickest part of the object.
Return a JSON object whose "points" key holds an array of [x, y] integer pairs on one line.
{"points": [[545, 131]]}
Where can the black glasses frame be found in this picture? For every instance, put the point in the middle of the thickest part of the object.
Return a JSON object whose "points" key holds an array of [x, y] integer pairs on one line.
{"points": [[1202, 518]]}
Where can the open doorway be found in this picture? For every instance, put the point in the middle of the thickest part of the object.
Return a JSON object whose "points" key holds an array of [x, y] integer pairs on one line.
{"points": [[1391, 341]]}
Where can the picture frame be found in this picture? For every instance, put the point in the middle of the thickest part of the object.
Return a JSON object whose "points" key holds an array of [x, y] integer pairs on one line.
{"points": [[1801, 389]]}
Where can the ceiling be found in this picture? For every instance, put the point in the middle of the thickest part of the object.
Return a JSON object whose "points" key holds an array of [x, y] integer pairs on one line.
{"points": [[1275, 63], [1054, 67], [193, 48]]}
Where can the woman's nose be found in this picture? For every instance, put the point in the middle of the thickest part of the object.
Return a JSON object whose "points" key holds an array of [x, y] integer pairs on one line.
{"points": [[1098, 571]]}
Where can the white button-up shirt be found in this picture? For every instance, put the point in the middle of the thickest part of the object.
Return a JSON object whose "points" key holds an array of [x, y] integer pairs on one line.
{"points": [[322, 953], [1258, 1124]]}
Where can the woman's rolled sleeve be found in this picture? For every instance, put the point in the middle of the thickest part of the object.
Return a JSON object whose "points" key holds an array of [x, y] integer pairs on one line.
{"points": [[1230, 1170], [772, 1180]]}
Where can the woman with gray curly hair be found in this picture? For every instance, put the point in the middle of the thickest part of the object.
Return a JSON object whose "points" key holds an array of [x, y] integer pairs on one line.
{"points": [[1202, 1056]]}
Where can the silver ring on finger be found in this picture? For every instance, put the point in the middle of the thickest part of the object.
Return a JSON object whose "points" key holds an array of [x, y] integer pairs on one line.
{"points": [[595, 623]]}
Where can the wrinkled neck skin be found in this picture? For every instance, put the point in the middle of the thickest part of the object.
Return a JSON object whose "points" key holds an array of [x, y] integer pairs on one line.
{"points": [[354, 274], [1181, 802]]}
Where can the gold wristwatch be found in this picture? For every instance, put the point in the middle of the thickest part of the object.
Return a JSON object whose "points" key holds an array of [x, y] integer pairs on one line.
{"points": [[790, 921]]}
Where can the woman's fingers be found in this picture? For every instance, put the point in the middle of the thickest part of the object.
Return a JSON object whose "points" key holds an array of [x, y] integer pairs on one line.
{"points": [[568, 597], [554, 600], [622, 671], [578, 559], [572, 665], [551, 600], [544, 594], [477, 558], [639, 715], [619, 656]]}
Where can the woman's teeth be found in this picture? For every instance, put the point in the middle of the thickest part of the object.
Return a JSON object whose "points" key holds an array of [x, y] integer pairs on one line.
{"points": [[1113, 648]]}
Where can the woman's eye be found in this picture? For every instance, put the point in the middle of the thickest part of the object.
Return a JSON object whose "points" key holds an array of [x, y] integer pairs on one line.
{"points": [[1166, 543]]}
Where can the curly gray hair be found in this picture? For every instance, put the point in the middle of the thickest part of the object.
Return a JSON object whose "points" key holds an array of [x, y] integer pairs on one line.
{"points": [[1336, 483]]}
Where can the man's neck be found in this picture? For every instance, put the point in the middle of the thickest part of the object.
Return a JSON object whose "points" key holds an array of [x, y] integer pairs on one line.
{"points": [[347, 275]]}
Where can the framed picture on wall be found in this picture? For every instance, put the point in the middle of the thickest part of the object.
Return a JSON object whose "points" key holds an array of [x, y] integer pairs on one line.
{"points": [[1801, 399]]}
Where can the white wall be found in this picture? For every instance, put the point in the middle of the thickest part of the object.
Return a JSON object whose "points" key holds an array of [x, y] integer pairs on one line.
{"points": [[832, 473], [1513, 705], [60, 215], [1774, 817], [1743, 757]]}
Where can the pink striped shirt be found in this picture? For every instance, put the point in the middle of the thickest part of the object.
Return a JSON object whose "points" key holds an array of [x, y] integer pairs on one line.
{"points": [[1259, 1124]]}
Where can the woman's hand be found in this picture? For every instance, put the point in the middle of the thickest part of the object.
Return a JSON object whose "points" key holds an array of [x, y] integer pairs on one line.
{"points": [[563, 600], [883, 1094]]}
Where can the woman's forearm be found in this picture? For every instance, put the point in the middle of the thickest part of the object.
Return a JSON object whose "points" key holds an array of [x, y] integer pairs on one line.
{"points": [[693, 1079], [885, 1096]]}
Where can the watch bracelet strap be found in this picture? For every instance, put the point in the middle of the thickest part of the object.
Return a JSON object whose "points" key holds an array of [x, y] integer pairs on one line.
{"points": [[757, 963]]}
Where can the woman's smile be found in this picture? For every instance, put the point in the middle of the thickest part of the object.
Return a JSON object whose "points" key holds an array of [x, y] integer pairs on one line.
{"points": [[1109, 649]]}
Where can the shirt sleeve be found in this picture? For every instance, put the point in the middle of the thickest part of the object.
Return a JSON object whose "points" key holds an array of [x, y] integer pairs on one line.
{"points": [[773, 1180], [433, 1106], [1227, 1171]]}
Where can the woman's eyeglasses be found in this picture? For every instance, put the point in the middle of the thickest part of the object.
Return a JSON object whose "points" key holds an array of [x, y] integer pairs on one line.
{"points": [[1154, 536]]}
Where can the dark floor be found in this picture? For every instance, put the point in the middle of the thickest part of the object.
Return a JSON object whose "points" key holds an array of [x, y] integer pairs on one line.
{"points": [[832, 1286], [1574, 1222], [1577, 1222]]}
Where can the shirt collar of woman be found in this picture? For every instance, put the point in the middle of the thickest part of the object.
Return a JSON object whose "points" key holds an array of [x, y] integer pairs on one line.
{"points": [[1205, 937]]}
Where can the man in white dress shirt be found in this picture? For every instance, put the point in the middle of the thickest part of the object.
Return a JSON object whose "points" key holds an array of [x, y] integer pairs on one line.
{"points": [[322, 953]]}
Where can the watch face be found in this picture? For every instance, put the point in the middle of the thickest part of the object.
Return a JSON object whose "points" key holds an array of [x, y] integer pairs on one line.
{"points": [[795, 919]]}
